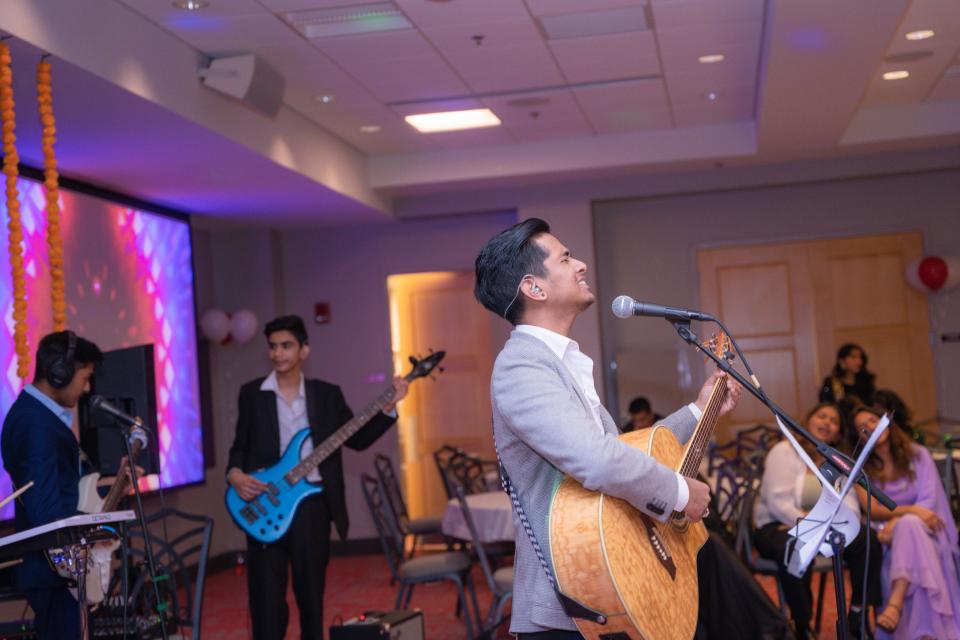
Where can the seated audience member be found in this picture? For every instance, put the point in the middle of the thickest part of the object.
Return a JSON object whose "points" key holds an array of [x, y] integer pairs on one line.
{"points": [[921, 580], [850, 384], [901, 416], [641, 415], [782, 503]]}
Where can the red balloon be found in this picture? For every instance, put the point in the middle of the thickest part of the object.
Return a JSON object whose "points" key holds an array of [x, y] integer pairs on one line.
{"points": [[933, 272]]}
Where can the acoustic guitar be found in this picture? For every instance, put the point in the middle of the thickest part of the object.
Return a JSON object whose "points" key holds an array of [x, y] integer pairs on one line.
{"points": [[640, 573]]}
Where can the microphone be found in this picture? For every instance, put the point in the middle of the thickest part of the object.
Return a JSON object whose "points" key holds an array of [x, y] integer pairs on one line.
{"points": [[102, 404], [625, 306]]}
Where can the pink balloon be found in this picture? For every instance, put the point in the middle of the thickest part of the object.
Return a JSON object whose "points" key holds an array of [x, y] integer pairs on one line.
{"points": [[912, 274], [243, 325], [933, 272], [215, 324]]}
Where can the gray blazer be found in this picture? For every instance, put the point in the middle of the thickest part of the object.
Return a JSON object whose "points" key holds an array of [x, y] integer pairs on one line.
{"points": [[544, 430]]}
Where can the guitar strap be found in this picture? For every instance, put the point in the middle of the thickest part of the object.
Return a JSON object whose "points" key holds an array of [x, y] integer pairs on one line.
{"points": [[571, 607]]}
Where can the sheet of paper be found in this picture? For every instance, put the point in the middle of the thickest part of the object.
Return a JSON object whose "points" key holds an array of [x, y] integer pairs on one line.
{"points": [[811, 531]]}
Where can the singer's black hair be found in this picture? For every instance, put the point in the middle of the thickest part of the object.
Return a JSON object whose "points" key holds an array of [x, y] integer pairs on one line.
{"points": [[292, 323], [639, 404], [504, 261], [53, 347]]}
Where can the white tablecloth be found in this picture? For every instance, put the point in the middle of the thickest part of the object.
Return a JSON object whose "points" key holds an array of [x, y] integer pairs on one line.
{"points": [[492, 514]]}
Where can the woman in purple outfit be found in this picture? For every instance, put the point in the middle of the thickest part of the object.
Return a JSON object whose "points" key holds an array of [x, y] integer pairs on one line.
{"points": [[921, 561]]}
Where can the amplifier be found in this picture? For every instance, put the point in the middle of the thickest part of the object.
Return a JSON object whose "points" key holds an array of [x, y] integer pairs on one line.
{"points": [[381, 625]]}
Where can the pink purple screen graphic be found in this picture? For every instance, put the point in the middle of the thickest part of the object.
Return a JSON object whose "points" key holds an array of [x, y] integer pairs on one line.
{"points": [[129, 281]]}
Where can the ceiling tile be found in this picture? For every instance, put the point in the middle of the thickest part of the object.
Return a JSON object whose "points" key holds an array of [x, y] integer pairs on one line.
{"points": [[388, 45], [626, 106], [677, 14], [291, 55], [427, 15], [509, 79], [234, 34], [495, 35], [611, 57], [165, 14], [947, 90], [624, 119], [481, 60], [535, 130], [559, 105], [558, 7]]}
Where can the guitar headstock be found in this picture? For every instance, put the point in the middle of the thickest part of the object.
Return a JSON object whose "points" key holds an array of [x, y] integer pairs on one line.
{"points": [[425, 366], [721, 346]]}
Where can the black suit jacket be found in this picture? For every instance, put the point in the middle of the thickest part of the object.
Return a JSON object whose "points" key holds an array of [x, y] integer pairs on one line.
{"points": [[256, 444], [38, 446]]}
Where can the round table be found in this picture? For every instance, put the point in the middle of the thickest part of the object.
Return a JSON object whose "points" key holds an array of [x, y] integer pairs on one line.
{"points": [[492, 515]]}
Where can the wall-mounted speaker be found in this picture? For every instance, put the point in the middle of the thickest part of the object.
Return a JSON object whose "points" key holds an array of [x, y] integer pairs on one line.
{"points": [[247, 78]]}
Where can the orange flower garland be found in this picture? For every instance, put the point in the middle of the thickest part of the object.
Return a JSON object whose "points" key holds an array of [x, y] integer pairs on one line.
{"points": [[52, 191], [11, 173]]}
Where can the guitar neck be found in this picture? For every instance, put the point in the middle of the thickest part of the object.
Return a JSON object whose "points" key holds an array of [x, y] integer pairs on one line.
{"points": [[122, 482], [344, 433], [704, 430]]}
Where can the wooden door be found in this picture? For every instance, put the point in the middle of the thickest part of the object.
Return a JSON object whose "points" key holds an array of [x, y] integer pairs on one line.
{"points": [[792, 305], [438, 311], [763, 294]]}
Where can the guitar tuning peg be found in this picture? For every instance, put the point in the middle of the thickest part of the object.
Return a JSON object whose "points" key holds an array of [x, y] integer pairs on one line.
{"points": [[430, 350], [413, 361]]}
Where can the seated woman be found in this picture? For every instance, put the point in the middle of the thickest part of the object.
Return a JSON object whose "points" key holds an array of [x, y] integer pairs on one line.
{"points": [[781, 504], [849, 384], [921, 561]]}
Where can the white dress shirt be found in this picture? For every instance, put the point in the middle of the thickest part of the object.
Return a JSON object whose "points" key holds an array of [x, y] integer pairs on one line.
{"points": [[580, 367], [292, 417]]}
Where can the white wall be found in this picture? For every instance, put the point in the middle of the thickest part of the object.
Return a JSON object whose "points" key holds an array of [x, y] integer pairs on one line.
{"points": [[650, 247]]}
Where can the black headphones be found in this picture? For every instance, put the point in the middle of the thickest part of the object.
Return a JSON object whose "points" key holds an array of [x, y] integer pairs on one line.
{"points": [[60, 372]]}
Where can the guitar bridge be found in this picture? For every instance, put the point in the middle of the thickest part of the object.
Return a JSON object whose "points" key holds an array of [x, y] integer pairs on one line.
{"points": [[659, 547]]}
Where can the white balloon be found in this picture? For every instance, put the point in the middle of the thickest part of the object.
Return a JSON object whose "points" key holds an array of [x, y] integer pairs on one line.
{"points": [[953, 273], [912, 273], [215, 324], [243, 325]]}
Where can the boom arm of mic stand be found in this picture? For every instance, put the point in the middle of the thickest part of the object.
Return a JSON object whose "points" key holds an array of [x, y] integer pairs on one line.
{"points": [[839, 461]]}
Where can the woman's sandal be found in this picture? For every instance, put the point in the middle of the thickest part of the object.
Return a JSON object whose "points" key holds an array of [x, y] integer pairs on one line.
{"points": [[889, 627]]}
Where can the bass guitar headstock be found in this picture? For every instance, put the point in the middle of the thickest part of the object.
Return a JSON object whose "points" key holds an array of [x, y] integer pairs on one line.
{"points": [[424, 366]]}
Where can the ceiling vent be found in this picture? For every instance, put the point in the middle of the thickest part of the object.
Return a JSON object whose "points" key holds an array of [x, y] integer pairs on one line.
{"points": [[316, 24], [594, 23]]}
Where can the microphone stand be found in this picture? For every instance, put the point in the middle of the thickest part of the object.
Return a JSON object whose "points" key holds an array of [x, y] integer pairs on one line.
{"points": [[161, 606], [836, 463]]}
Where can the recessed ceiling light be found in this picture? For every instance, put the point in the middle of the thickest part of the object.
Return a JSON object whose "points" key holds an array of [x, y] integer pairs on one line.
{"points": [[370, 128], [896, 75], [712, 96], [452, 120], [326, 98], [711, 58], [921, 34], [190, 5]]}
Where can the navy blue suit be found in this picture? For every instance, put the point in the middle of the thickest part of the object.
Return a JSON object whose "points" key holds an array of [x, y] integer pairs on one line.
{"points": [[38, 446]]}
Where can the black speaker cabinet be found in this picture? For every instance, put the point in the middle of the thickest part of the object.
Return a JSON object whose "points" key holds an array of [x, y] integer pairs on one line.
{"points": [[381, 625]]}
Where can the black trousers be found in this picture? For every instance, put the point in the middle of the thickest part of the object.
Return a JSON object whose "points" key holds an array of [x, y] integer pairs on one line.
{"points": [[554, 634], [771, 541], [305, 548], [56, 614]]}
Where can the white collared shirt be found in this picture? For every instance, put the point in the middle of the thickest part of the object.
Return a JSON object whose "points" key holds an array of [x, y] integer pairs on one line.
{"points": [[292, 417], [580, 367]]}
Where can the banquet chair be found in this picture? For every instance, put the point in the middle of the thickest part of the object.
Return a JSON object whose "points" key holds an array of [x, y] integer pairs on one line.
{"points": [[500, 581], [413, 529], [448, 565], [181, 566]]}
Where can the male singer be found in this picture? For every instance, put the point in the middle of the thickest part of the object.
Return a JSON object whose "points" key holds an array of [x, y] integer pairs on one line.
{"points": [[38, 444], [272, 411], [547, 418]]}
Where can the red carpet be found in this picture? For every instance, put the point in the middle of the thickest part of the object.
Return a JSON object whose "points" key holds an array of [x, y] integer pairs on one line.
{"points": [[361, 583], [354, 585]]}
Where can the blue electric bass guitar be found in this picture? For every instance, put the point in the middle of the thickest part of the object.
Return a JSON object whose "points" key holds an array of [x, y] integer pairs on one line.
{"points": [[268, 516]]}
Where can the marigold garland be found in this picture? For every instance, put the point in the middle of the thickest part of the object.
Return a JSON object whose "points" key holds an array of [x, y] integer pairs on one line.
{"points": [[11, 173], [52, 191]]}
